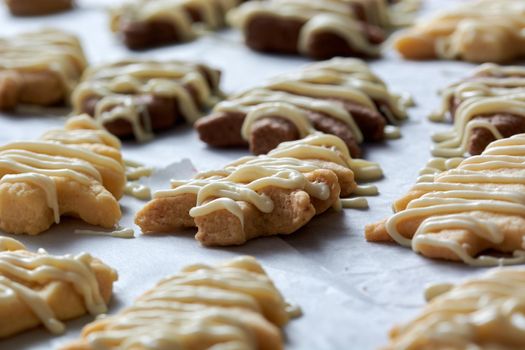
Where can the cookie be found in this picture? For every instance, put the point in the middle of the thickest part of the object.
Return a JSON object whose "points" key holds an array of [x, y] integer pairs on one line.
{"points": [[77, 171], [317, 29], [484, 107], [233, 305], [135, 98], [43, 289], [40, 68], [259, 196], [477, 31], [479, 313], [466, 213], [145, 24], [38, 7], [341, 96]]}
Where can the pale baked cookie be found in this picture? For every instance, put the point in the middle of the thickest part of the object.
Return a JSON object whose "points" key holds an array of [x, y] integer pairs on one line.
{"points": [[77, 171], [144, 24], [476, 31], [487, 106], [319, 29], [38, 7], [480, 313], [465, 213], [341, 96], [259, 196], [134, 98], [42, 289], [233, 305], [40, 68]]}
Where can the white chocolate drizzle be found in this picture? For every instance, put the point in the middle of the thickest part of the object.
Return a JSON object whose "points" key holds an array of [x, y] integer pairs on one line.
{"points": [[137, 190], [121, 232], [22, 273], [354, 203], [456, 200], [135, 170], [201, 303]]}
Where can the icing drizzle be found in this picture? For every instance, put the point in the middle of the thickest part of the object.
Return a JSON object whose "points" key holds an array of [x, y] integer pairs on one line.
{"points": [[121, 90], [483, 312], [23, 272], [202, 304], [284, 167], [291, 96], [58, 155], [456, 199]]}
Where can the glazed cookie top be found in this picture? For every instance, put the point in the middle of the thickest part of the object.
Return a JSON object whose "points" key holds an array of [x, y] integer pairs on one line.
{"points": [[284, 167], [115, 85], [57, 155], [316, 88], [46, 50], [23, 275], [479, 313], [457, 199], [202, 304]]}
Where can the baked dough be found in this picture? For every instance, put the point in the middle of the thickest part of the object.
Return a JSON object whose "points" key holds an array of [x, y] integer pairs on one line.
{"points": [[463, 213], [39, 68], [481, 313], [319, 29], [42, 289], [136, 97], [77, 171], [38, 7], [233, 305], [475, 31], [487, 106], [259, 196], [341, 96], [148, 23]]}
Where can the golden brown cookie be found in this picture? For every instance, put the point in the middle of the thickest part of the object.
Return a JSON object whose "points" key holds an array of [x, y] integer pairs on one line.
{"points": [[476, 31], [466, 213], [480, 313], [259, 196], [40, 68], [43, 289], [77, 171], [233, 305]]}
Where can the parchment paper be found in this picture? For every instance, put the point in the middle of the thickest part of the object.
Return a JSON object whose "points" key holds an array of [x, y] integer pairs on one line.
{"points": [[351, 292]]}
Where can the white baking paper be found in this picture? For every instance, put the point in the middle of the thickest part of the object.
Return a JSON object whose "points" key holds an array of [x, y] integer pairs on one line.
{"points": [[351, 292]]}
